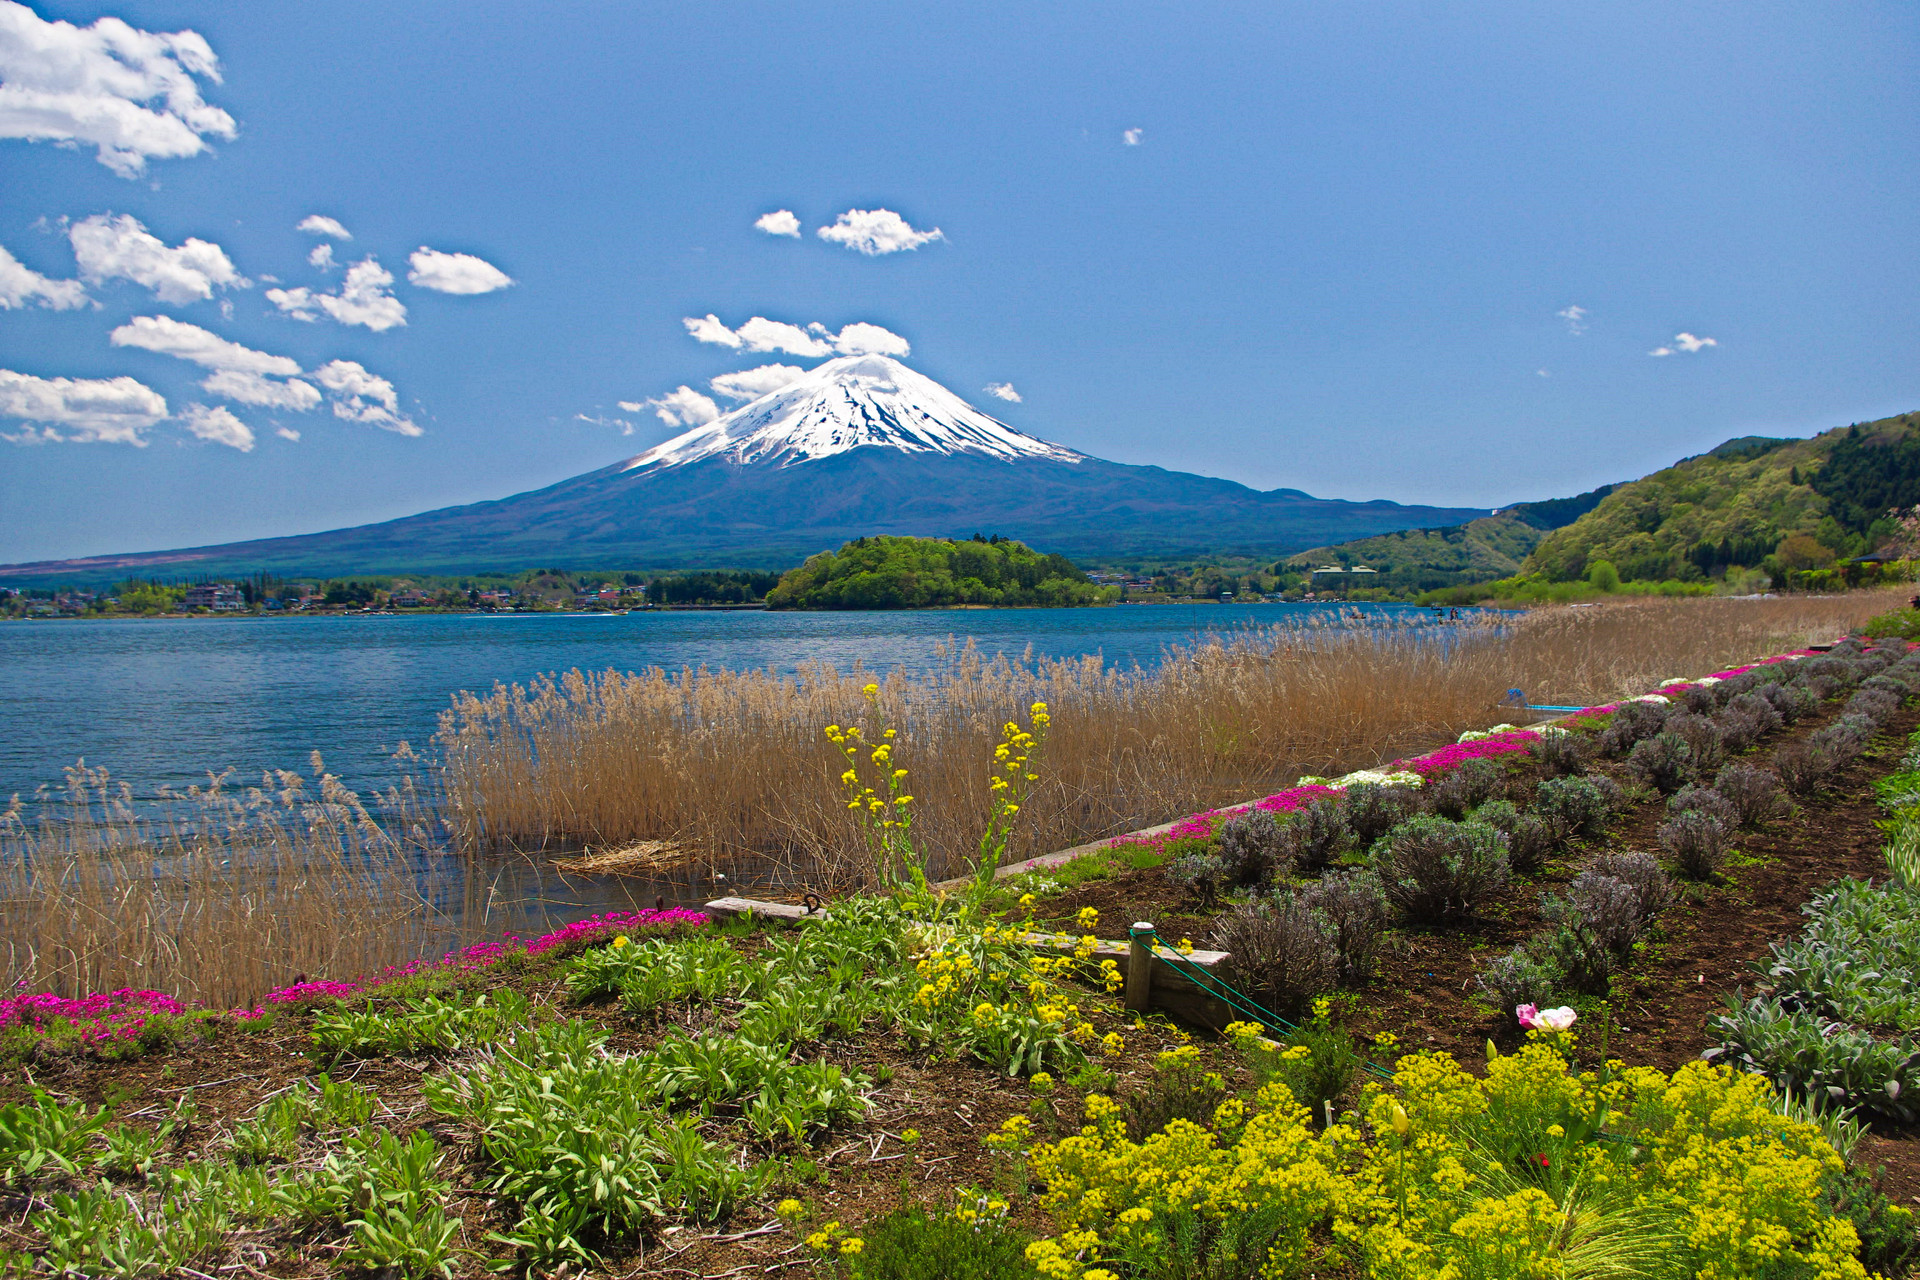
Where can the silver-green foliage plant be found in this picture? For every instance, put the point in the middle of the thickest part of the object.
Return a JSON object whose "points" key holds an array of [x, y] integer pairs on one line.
{"points": [[1796, 1048], [1855, 968], [1431, 869]]}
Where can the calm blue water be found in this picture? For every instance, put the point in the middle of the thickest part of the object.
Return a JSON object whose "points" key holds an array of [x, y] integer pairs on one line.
{"points": [[161, 702]]}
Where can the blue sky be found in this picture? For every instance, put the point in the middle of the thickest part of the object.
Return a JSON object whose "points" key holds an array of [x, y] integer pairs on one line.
{"points": [[1339, 252]]}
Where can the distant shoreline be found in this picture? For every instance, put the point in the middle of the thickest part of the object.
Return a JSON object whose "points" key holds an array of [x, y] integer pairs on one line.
{"points": [[285, 615]]}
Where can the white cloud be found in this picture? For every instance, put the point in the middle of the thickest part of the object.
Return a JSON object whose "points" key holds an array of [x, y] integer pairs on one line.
{"points": [[218, 425], [1132, 137], [751, 384], [1576, 318], [267, 393], [876, 231], [240, 373], [359, 396], [762, 334], [287, 433], [130, 94], [319, 224], [110, 248], [87, 410], [1542, 373], [1004, 390], [781, 222], [321, 257], [681, 407], [862, 339], [21, 284], [1684, 342], [454, 272], [626, 428], [185, 341], [364, 299], [711, 330]]}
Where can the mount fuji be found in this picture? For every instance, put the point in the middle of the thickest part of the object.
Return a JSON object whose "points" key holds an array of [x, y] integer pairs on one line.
{"points": [[858, 445]]}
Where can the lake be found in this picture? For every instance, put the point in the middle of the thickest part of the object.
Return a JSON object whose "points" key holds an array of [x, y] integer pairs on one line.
{"points": [[159, 702]]}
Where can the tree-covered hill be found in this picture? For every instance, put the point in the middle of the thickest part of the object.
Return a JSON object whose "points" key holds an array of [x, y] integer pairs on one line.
{"points": [[1754, 502], [915, 573], [1418, 560]]}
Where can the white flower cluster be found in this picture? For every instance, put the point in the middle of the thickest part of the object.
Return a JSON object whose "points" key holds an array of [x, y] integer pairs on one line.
{"points": [[1384, 777], [1476, 735]]}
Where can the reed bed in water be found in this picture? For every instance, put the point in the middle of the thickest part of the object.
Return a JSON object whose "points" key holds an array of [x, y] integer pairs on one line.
{"points": [[735, 764], [219, 894]]}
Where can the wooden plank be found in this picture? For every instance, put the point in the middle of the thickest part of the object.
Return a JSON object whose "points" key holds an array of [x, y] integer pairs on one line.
{"points": [[728, 908]]}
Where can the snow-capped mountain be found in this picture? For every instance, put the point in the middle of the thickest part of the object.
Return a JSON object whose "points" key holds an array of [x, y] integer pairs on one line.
{"points": [[860, 445], [845, 404]]}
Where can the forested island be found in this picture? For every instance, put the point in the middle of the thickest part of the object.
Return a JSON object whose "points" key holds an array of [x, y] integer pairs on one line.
{"points": [[920, 573]]}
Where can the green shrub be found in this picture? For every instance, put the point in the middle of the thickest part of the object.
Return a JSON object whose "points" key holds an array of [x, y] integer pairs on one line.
{"points": [[973, 1242], [1431, 869], [1182, 1087]]}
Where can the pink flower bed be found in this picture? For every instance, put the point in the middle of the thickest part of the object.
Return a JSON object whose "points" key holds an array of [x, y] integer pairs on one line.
{"points": [[482, 955], [115, 1015], [1444, 761], [121, 1015]]}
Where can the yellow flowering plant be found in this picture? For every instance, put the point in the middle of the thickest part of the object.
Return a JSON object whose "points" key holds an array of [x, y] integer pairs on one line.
{"points": [[876, 792], [1008, 787], [1534, 1171]]}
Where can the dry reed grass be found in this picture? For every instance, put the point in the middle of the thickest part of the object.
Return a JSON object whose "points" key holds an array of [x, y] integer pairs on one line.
{"points": [[218, 895], [735, 765]]}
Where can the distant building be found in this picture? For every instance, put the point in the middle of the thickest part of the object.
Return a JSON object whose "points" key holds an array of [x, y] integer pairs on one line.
{"points": [[220, 597]]}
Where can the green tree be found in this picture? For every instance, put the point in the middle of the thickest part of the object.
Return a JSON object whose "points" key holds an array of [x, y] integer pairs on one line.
{"points": [[1603, 576]]}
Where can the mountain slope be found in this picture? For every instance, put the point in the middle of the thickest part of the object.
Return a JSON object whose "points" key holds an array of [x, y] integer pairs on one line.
{"points": [[1739, 504], [1426, 559], [861, 445]]}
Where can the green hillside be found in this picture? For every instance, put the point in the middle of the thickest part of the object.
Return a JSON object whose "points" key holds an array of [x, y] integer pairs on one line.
{"points": [[1753, 503], [914, 573], [1423, 559], [1419, 560]]}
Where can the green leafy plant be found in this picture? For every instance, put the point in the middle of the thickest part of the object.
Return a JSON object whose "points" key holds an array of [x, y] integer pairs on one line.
{"points": [[427, 1025], [41, 1135]]}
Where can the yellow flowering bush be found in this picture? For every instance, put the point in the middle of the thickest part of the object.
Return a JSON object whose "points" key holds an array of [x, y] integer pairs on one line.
{"points": [[1535, 1171], [1241, 1198]]}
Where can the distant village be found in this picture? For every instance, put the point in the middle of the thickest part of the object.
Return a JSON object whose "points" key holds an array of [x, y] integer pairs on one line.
{"points": [[556, 590], [267, 595]]}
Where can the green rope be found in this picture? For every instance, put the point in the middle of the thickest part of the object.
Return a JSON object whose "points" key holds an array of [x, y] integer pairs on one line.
{"points": [[1235, 999]]}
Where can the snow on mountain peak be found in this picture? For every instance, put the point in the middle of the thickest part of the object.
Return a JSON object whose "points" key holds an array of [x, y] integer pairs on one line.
{"points": [[844, 404]]}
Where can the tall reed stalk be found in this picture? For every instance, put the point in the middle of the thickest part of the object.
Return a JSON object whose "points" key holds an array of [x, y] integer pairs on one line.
{"points": [[219, 894], [734, 764]]}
